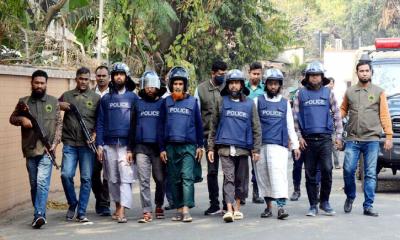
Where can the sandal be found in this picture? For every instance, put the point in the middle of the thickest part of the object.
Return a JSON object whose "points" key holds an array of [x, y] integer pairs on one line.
{"points": [[178, 217], [186, 217], [228, 217], [122, 220], [114, 216], [146, 218], [238, 215]]}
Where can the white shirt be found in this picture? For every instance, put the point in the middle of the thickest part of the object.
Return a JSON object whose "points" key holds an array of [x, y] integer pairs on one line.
{"points": [[97, 90], [289, 120]]}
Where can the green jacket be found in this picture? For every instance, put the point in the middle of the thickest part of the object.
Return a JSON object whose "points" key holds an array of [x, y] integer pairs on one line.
{"points": [[86, 102], [207, 95], [46, 112]]}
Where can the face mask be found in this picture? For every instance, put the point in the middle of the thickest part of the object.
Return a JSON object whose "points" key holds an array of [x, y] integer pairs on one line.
{"points": [[219, 79]]}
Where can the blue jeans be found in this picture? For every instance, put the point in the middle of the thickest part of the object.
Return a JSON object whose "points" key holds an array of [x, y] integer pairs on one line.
{"points": [[71, 157], [39, 170], [352, 154]]}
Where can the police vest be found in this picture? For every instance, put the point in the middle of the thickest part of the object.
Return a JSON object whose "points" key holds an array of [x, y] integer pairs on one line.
{"points": [[147, 120], [314, 111], [273, 121], [180, 126], [118, 115], [235, 125]]}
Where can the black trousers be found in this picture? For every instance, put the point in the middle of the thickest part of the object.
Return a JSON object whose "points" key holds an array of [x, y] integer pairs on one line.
{"points": [[318, 153], [100, 186]]}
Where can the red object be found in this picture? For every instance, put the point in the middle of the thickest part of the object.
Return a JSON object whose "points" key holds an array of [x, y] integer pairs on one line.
{"points": [[391, 43]]}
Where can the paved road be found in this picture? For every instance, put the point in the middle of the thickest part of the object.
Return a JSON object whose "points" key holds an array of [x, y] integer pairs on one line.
{"points": [[342, 226]]}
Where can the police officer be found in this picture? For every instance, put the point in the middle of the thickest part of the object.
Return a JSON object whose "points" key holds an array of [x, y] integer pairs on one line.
{"points": [[235, 129], [182, 142], [146, 147], [113, 132], [46, 110], [76, 150], [313, 107]]}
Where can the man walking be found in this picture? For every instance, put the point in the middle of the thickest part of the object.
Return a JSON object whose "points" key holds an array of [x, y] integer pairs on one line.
{"points": [[313, 107], [277, 131], [46, 110], [99, 185], [146, 149], [76, 150], [366, 106], [182, 141], [113, 133], [207, 93], [235, 130], [256, 88]]}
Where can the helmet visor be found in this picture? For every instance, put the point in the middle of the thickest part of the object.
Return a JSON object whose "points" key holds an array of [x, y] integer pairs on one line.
{"points": [[150, 80]]}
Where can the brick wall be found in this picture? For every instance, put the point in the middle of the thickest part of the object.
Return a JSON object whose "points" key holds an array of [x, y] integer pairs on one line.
{"points": [[15, 83]]}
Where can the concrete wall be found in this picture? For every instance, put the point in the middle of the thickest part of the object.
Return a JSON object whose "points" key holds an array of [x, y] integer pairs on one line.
{"points": [[15, 83]]}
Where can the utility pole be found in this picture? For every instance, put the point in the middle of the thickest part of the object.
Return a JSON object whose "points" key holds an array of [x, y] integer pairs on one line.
{"points": [[100, 30]]}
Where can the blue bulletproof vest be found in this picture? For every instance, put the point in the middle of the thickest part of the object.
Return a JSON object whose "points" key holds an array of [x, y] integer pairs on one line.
{"points": [[314, 113], [118, 121], [147, 120], [235, 125], [180, 126], [273, 121]]}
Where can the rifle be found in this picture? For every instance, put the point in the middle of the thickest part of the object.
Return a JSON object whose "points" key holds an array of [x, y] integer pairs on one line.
{"points": [[85, 130], [39, 131]]}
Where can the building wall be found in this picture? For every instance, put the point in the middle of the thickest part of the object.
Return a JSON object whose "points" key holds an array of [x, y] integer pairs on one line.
{"points": [[15, 83]]}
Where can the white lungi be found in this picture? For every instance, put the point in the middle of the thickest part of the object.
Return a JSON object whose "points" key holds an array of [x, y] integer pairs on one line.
{"points": [[271, 171], [119, 174]]}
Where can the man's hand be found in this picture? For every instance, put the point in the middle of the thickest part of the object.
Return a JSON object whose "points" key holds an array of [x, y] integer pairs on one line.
{"points": [[255, 157], [163, 156], [64, 106], [26, 123], [199, 154], [93, 137], [303, 144], [339, 144], [129, 157], [53, 147], [100, 154], [210, 156], [388, 144], [297, 154]]}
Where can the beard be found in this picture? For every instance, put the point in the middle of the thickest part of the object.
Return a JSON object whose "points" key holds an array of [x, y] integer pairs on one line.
{"points": [[150, 98], [119, 86], [364, 80], [177, 96], [37, 94], [271, 94], [235, 94], [314, 85]]}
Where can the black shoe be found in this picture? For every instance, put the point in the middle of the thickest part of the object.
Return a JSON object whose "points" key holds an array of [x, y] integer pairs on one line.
{"points": [[103, 211], [258, 200], [266, 214], [212, 210], [71, 213], [243, 202], [282, 214], [295, 196], [370, 212], [38, 222], [348, 205]]}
